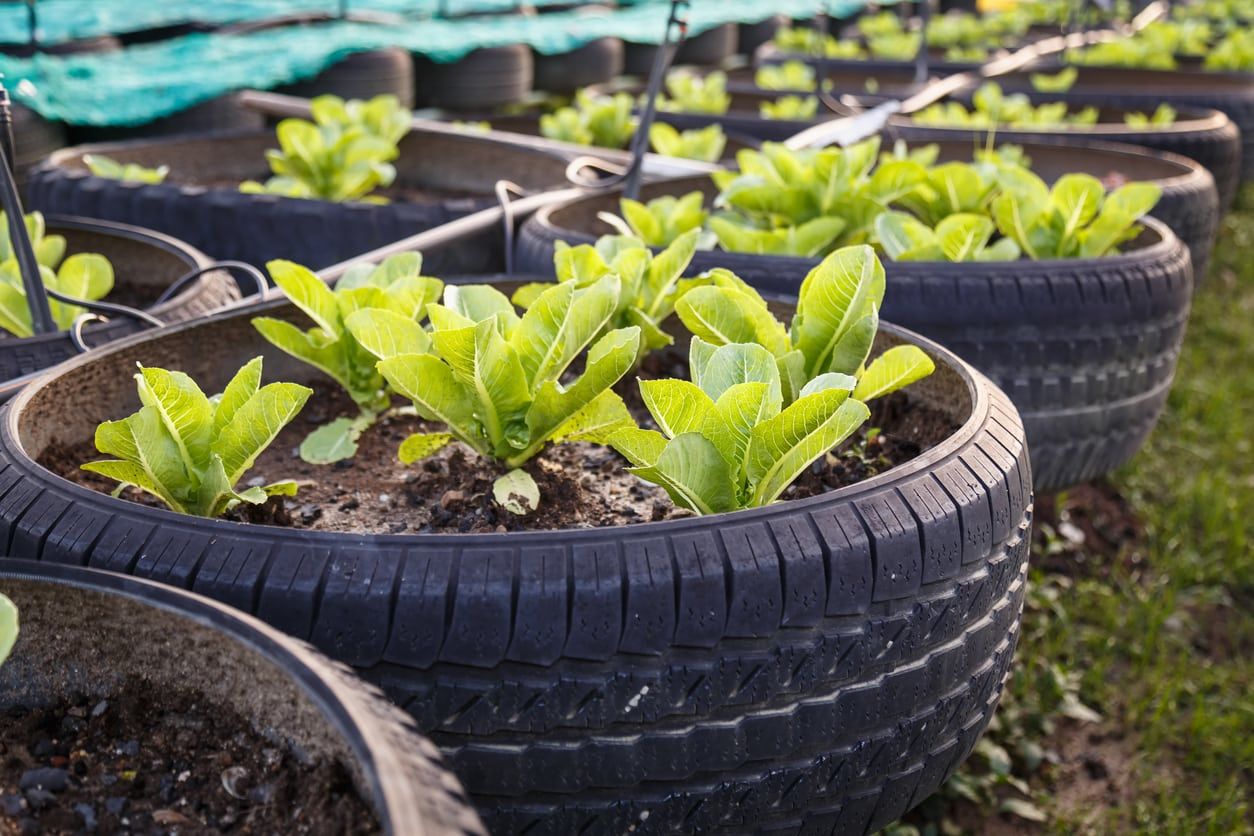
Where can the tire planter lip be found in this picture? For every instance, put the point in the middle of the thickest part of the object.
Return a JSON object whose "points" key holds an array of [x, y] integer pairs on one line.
{"points": [[11, 415], [1188, 120], [380, 746]]}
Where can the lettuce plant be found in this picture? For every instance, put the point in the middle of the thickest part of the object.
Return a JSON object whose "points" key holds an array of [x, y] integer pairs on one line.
{"points": [[704, 144], [498, 382], [383, 116], [691, 93], [1074, 219], [1164, 116], [8, 627], [790, 75], [84, 276], [831, 332], [790, 107], [804, 240], [1234, 52], [327, 161], [777, 188], [189, 450], [897, 46], [603, 121], [745, 426], [950, 188], [660, 221], [880, 24], [49, 249], [969, 54], [111, 169], [649, 285], [992, 109], [960, 237], [1059, 82], [807, 41], [396, 285]]}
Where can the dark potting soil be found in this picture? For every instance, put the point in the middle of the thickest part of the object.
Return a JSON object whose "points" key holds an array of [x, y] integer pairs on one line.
{"points": [[581, 485], [146, 763]]}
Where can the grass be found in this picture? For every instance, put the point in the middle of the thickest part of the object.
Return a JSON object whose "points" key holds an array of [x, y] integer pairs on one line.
{"points": [[1139, 631]]}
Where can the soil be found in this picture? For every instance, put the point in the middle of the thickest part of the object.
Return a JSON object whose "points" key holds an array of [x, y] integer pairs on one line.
{"points": [[147, 764], [581, 485], [1086, 531]]}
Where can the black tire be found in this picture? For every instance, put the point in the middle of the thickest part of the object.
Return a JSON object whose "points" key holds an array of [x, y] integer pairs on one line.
{"points": [[820, 664], [1085, 348], [596, 62], [753, 35], [487, 78], [362, 75], [220, 115], [708, 49], [142, 259], [1232, 93], [1206, 136], [1190, 203], [229, 224], [398, 773]]}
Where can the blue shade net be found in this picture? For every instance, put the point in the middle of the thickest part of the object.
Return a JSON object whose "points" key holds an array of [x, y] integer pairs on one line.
{"points": [[146, 82]]}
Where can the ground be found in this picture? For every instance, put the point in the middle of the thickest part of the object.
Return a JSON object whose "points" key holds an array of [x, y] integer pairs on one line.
{"points": [[1131, 708]]}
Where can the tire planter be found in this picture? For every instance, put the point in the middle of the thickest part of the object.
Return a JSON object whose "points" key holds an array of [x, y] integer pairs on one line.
{"points": [[596, 62], [1086, 349], [362, 75], [817, 664], [285, 688], [145, 263], [708, 49], [769, 53], [1191, 204], [229, 224], [1129, 89], [34, 138], [220, 115], [754, 35], [1202, 134], [487, 78]]}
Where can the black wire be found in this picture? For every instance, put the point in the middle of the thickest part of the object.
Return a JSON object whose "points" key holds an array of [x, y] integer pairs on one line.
{"points": [[258, 280], [97, 306]]}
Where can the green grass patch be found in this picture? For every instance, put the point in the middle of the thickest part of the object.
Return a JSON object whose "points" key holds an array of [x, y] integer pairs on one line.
{"points": [[1143, 615]]}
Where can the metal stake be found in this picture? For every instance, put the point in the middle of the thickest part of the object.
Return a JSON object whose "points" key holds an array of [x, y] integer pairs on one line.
{"points": [[661, 63]]}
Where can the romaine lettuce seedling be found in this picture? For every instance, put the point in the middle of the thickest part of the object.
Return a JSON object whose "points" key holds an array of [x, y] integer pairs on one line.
{"points": [[790, 107], [189, 450], [103, 166], [691, 93], [49, 249], [1164, 116], [960, 237], [344, 155], [660, 221], [396, 285], [498, 382], [704, 144], [790, 75], [1074, 219], [831, 333], [649, 285], [603, 121], [726, 441], [86, 276]]}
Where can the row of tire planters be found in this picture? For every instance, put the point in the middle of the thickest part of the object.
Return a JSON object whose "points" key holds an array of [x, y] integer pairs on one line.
{"points": [[770, 53], [145, 264], [1145, 90], [1086, 348], [179, 661], [705, 49], [1191, 204], [1202, 134], [819, 663], [441, 175], [743, 119]]}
